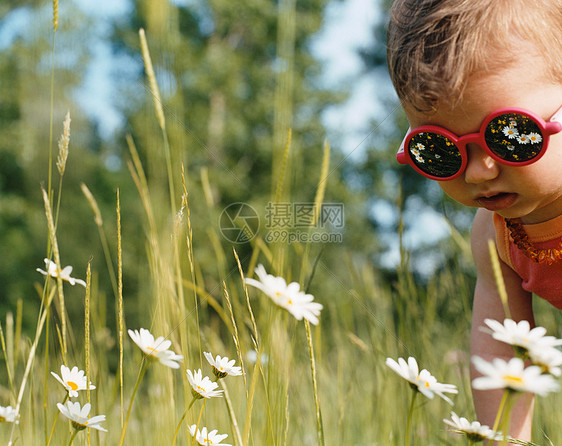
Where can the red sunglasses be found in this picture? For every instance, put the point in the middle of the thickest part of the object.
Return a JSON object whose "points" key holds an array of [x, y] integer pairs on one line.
{"points": [[511, 136]]}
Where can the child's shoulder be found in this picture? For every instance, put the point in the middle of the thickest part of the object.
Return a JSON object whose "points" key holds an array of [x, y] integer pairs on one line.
{"points": [[482, 230], [483, 226]]}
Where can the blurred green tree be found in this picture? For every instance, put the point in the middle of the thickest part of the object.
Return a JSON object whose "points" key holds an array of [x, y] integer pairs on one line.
{"points": [[26, 121], [234, 78]]}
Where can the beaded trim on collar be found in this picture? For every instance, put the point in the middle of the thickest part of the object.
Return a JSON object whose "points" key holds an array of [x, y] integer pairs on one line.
{"points": [[521, 240]]}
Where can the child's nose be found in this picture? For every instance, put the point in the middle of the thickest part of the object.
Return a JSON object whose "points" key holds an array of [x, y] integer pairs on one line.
{"points": [[481, 166]]}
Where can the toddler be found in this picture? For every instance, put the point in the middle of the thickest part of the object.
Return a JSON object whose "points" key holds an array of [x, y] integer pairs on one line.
{"points": [[481, 84]]}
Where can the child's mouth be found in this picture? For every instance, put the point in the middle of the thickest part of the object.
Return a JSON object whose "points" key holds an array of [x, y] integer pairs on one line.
{"points": [[497, 202]]}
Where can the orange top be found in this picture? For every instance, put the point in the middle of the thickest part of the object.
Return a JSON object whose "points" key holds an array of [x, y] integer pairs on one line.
{"points": [[539, 278]]}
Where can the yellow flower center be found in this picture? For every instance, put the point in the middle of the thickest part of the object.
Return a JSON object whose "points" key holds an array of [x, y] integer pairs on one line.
{"points": [[512, 381], [152, 350], [72, 385], [2, 419]]}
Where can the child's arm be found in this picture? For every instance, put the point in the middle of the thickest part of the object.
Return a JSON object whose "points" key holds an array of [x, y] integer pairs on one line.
{"points": [[487, 304]]}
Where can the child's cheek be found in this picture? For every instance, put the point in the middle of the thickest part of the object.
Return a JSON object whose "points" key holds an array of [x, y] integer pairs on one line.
{"points": [[458, 191]]}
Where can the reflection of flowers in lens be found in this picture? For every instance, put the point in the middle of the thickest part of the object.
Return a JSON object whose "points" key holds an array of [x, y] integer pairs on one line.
{"points": [[440, 157], [510, 131], [416, 153], [523, 139], [514, 137], [534, 138]]}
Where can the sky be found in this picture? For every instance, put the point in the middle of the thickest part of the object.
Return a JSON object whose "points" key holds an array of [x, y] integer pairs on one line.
{"points": [[348, 27]]}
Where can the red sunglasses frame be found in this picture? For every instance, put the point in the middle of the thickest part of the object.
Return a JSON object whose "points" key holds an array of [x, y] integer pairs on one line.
{"points": [[553, 126]]}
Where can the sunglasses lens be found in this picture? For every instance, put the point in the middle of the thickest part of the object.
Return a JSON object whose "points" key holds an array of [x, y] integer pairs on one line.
{"points": [[435, 154], [514, 137]]}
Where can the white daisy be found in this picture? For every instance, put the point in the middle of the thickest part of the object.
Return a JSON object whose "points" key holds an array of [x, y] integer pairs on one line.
{"points": [[535, 138], [548, 359], [170, 359], [510, 147], [8, 415], [207, 438], [156, 348], [520, 334], [420, 146], [53, 271], [72, 380], [79, 416], [222, 366], [510, 131], [415, 152], [290, 297], [523, 139], [202, 387], [419, 159], [422, 381], [474, 431], [512, 375]]}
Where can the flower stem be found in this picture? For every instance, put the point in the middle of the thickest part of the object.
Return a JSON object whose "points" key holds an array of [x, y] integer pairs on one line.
{"points": [[500, 410], [183, 418], [29, 363], [72, 437], [319, 427], [409, 420], [139, 379], [506, 417], [55, 422], [180, 423], [46, 369], [198, 420], [233, 419]]}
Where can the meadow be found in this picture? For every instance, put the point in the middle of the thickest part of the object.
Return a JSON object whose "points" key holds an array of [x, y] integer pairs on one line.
{"points": [[303, 381]]}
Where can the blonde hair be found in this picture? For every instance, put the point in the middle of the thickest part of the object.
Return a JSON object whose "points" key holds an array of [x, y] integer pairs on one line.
{"points": [[433, 46]]}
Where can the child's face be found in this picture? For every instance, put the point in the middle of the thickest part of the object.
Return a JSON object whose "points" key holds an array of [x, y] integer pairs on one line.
{"points": [[533, 192]]}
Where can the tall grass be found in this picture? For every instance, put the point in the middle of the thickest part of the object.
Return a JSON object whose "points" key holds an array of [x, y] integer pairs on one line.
{"points": [[365, 320], [302, 384]]}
